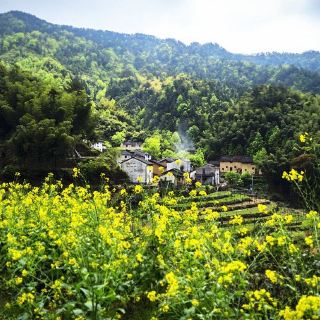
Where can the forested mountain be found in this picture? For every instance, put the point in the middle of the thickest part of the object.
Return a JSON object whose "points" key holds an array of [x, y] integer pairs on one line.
{"points": [[105, 54], [137, 86]]}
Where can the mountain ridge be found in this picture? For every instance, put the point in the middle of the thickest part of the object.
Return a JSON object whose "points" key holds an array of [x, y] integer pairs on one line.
{"points": [[96, 56], [210, 48]]}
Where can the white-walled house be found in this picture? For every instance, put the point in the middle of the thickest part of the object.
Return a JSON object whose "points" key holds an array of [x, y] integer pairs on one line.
{"points": [[185, 165], [98, 146], [141, 154], [173, 176], [126, 154], [131, 145], [193, 175], [138, 170], [208, 174], [181, 164]]}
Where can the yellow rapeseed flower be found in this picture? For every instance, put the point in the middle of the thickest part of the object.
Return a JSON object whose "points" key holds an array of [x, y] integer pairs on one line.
{"points": [[309, 241], [152, 296], [165, 308], [123, 192], [138, 189], [272, 276], [312, 214], [313, 282], [262, 208], [198, 184], [24, 272], [307, 308], [76, 172], [173, 284], [195, 302], [302, 138], [139, 257], [236, 220], [293, 175]]}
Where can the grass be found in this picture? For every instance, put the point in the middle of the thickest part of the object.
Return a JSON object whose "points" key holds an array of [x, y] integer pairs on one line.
{"points": [[239, 206], [208, 202], [215, 195]]}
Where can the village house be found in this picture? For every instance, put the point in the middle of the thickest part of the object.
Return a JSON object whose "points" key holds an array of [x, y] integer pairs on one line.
{"points": [[208, 174], [180, 164], [141, 154], [131, 145], [173, 176], [99, 146], [239, 164], [158, 168], [126, 154], [138, 170]]}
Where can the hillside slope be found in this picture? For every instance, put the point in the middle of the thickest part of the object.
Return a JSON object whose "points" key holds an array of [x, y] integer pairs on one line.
{"points": [[104, 55]]}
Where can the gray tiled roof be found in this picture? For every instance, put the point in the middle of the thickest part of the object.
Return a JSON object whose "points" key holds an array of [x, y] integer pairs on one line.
{"points": [[242, 159], [139, 159]]}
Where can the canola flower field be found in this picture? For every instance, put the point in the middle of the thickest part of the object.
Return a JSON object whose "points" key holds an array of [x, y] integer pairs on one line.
{"points": [[75, 253]]}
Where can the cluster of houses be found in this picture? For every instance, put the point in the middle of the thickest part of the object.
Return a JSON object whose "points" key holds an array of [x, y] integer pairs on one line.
{"points": [[141, 168]]}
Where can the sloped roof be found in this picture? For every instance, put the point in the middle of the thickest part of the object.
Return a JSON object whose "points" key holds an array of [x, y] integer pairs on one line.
{"points": [[215, 163], [132, 142], [134, 153], [156, 162], [242, 159], [208, 169], [169, 160], [140, 153], [139, 159], [126, 153]]}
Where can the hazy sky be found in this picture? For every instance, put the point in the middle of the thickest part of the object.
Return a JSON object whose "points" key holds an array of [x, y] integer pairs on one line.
{"points": [[246, 26]]}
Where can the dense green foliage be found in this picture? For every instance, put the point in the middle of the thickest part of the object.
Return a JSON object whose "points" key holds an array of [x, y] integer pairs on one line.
{"points": [[101, 55], [40, 120], [141, 87]]}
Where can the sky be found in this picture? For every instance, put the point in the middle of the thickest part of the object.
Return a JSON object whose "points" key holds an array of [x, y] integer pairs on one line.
{"points": [[240, 26]]}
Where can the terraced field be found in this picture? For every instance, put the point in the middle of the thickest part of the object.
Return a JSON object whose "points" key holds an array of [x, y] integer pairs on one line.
{"points": [[230, 205]]}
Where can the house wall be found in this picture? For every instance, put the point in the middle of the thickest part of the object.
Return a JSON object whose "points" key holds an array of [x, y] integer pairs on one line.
{"points": [[156, 169], [131, 146], [172, 165], [185, 165], [169, 178], [122, 158], [135, 169], [238, 167], [98, 146], [216, 177], [212, 178]]}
